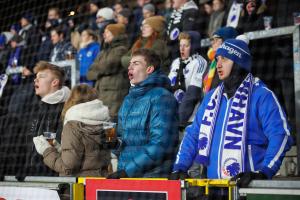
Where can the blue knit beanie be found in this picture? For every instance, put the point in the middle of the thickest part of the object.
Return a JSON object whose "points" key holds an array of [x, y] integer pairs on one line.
{"points": [[226, 33], [237, 51]]}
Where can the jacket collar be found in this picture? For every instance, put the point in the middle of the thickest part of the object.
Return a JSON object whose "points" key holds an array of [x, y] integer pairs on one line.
{"points": [[58, 96], [92, 112]]}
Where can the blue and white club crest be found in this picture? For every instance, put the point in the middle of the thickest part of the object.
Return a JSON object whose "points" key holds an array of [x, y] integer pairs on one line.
{"points": [[231, 167], [89, 54], [203, 141], [174, 34]]}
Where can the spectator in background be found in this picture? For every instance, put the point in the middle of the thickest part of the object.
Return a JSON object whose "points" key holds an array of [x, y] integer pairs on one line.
{"points": [[205, 9], [15, 28], [80, 152], [16, 59], [46, 44], [216, 18], [148, 10], [105, 16], [211, 80], [184, 17], [54, 13], [125, 17], [46, 115], [252, 16], [138, 13], [186, 75], [93, 7], [118, 7], [165, 10], [151, 38], [107, 71], [89, 49], [148, 122], [248, 143], [207, 6], [31, 37], [62, 49]]}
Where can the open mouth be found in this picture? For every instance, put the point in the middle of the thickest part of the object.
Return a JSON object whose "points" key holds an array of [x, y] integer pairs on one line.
{"points": [[36, 87], [220, 73], [130, 75]]}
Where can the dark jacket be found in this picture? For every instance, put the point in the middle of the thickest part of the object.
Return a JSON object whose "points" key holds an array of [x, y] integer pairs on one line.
{"points": [[148, 128], [46, 117], [16, 104], [185, 18], [111, 79], [61, 50]]}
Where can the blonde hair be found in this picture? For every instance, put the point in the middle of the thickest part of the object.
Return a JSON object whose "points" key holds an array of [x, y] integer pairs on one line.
{"points": [[184, 36], [58, 72], [81, 93]]}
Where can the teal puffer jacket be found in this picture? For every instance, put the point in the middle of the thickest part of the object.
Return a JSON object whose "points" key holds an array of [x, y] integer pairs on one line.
{"points": [[148, 128]]}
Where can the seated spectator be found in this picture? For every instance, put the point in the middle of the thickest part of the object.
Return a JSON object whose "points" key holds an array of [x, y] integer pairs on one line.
{"points": [[125, 17], [232, 136], [151, 38], [184, 17], [216, 18], [252, 16], [105, 16], [80, 152], [107, 71], [15, 59], [148, 122], [49, 86], [186, 75], [89, 49], [62, 50], [148, 10], [211, 80]]}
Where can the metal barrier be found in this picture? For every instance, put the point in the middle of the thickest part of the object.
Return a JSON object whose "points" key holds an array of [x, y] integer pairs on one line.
{"points": [[74, 76], [35, 182]]}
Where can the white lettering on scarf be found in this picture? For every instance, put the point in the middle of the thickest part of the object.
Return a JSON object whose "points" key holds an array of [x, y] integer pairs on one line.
{"points": [[231, 158]]}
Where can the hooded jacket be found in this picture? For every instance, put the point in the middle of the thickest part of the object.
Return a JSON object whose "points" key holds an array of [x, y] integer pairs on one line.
{"points": [[111, 79], [148, 128], [46, 117], [81, 154], [268, 135]]}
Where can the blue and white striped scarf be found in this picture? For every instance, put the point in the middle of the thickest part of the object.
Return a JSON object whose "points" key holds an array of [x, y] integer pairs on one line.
{"points": [[232, 145]]}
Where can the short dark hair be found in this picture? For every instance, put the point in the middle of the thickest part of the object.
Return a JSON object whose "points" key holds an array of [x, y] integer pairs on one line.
{"points": [[150, 57]]}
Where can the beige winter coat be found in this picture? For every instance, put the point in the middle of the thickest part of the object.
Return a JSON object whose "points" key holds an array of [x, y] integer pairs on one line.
{"points": [[81, 154]]}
